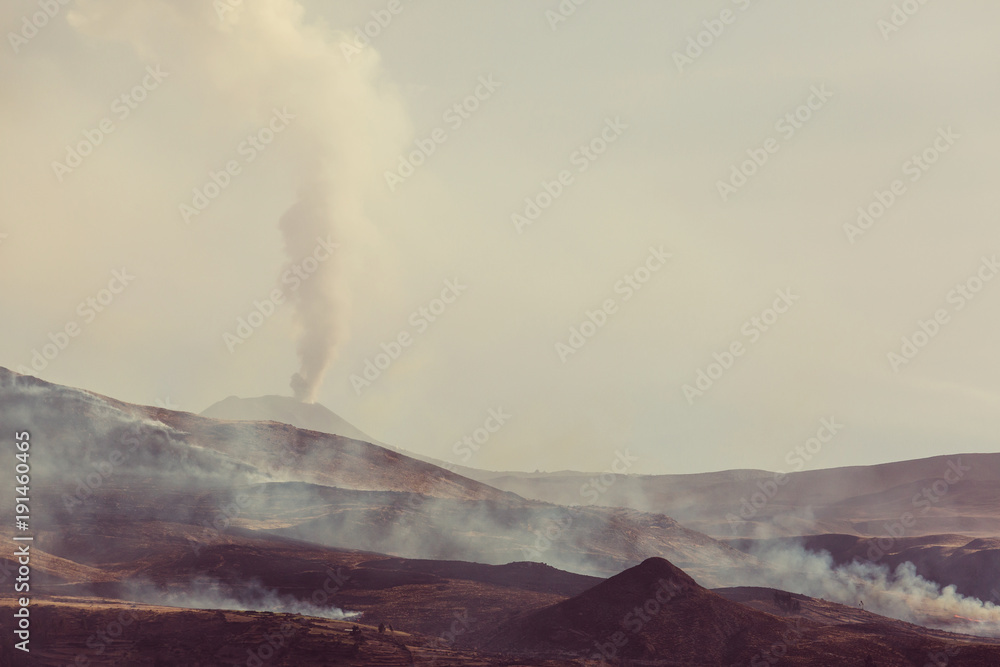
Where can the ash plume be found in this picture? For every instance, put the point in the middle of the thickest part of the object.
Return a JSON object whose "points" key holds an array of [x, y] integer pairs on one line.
{"points": [[321, 303], [253, 68]]}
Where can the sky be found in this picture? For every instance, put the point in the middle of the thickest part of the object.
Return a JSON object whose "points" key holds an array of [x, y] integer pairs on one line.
{"points": [[564, 231]]}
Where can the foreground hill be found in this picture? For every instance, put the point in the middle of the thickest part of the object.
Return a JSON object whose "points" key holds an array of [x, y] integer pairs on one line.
{"points": [[655, 614], [648, 611], [221, 605], [95, 631], [267, 573]]}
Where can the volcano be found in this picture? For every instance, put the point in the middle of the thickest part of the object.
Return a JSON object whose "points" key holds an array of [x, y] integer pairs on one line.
{"points": [[287, 410]]}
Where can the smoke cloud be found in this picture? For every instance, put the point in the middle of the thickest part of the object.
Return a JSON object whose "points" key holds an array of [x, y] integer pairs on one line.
{"points": [[205, 593], [323, 126], [901, 594], [321, 302]]}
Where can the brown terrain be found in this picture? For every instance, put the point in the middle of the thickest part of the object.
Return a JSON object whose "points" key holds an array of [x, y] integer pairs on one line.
{"points": [[941, 513], [655, 614], [972, 565], [179, 467], [854, 501], [166, 538]]}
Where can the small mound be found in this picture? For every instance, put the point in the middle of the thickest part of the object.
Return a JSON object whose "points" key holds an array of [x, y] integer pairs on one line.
{"points": [[649, 610]]}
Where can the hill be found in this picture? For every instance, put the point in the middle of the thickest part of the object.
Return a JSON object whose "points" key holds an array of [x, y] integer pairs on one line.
{"points": [[654, 614], [110, 463], [949, 494], [287, 410]]}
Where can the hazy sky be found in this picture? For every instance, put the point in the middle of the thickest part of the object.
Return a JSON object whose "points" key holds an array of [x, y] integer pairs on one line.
{"points": [[664, 129]]}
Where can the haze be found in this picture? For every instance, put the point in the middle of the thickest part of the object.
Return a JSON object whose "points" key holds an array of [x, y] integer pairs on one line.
{"points": [[515, 289]]}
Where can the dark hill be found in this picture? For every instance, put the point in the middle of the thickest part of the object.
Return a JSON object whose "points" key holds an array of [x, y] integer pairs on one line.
{"points": [[651, 610]]}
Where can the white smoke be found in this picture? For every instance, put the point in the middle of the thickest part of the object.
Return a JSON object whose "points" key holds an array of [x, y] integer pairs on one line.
{"points": [[205, 593], [321, 302], [242, 62], [900, 594]]}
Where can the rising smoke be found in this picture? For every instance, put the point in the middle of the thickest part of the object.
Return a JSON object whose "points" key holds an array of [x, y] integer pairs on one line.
{"points": [[240, 62], [899, 593], [321, 303]]}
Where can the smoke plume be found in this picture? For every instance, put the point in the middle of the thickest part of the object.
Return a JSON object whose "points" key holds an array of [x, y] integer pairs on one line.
{"points": [[321, 302], [899, 593], [324, 128]]}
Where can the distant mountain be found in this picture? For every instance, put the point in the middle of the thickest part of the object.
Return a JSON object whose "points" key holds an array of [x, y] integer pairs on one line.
{"points": [[857, 500], [950, 494], [313, 417], [287, 410]]}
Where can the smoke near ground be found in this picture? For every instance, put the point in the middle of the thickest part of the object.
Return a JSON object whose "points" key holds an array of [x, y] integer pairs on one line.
{"points": [[203, 593], [899, 593], [321, 301]]}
